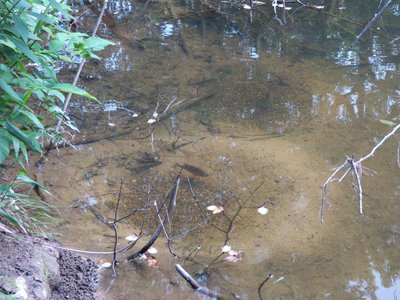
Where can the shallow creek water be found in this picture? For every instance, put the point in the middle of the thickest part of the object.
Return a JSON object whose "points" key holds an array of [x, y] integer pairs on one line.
{"points": [[267, 110]]}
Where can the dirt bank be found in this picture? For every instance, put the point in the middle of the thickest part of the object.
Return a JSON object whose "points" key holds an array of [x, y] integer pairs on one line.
{"points": [[31, 269]]}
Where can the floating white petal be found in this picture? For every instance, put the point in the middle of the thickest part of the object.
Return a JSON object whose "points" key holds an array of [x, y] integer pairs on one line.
{"points": [[233, 258], [215, 209], [246, 6], [226, 248], [105, 265], [152, 250], [233, 252], [151, 121], [263, 210], [133, 237], [111, 124]]}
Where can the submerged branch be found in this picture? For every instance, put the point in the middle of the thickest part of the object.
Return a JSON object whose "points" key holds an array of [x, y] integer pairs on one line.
{"points": [[195, 285], [156, 234], [369, 25]]}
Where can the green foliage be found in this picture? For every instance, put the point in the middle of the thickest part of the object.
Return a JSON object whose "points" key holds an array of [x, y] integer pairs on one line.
{"points": [[34, 41], [20, 210]]}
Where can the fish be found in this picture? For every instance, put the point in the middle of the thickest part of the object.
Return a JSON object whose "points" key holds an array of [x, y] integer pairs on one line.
{"points": [[196, 171]]}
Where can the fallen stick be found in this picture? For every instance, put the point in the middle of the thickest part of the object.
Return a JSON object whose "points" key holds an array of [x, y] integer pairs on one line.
{"points": [[195, 285]]}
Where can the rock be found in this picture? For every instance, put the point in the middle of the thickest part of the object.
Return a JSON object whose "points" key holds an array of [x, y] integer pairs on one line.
{"points": [[33, 268]]}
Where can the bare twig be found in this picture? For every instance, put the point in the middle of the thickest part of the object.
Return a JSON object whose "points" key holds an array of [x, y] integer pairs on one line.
{"points": [[379, 144], [262, 284], [368, 26], [357, 171], [75, 81], [114, 262], [172, 204], [356, 168]]}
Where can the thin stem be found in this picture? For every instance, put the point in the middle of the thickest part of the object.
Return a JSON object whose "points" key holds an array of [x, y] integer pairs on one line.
{"points": [[78, 73]]}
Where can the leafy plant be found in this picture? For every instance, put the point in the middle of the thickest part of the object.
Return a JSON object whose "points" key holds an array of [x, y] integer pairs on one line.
{"points": [[20, 210], [34, 42]]}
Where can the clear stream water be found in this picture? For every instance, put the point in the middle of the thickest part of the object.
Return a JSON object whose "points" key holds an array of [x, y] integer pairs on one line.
{"points": [[268, 108]]}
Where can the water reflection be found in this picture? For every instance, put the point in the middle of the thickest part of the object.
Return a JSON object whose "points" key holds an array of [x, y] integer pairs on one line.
{"points": [[260, 102]]}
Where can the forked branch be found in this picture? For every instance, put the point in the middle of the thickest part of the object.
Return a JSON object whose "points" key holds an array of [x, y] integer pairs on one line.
{"points": [[356, 169]]}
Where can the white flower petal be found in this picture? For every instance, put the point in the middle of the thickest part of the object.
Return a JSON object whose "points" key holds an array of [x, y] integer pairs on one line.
{"points": [[152, 250], [232, 258], [218, 210], [133, 237], [151, 121], [226, 248], [105, 265], [263, 210], [211, 207], [233, 252]]}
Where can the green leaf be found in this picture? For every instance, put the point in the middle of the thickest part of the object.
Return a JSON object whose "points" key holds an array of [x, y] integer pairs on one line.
{"points": [[30, 141], [57, 94], [24, 152], [22, 177], [387, 122], [57, 5], [16, 144], [69, 88], [58, 42], [25, 50], [12, 220], [33, 118], [21, 28], [43, 18], [96, 44], [9, 90], [8, 43], [4, 145]]}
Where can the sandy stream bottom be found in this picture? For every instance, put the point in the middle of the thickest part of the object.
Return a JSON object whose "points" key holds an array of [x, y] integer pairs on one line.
{"points": [[316, 260]]}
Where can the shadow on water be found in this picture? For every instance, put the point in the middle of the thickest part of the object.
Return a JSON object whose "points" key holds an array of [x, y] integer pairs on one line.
{"points": [[256, 114]]}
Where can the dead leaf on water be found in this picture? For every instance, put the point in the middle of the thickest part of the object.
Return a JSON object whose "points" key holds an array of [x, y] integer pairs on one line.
{"points": [[153, 262]]}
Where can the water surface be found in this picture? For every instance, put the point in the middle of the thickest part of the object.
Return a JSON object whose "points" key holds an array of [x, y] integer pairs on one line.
{"points": [[266, 109]]}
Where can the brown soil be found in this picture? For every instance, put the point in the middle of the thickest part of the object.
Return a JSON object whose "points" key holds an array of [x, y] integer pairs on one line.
{"points": [[32, 268]]}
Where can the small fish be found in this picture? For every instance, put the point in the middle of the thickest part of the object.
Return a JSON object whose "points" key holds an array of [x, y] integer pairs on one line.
{"points": [[196, 171]]}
